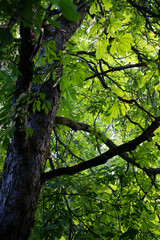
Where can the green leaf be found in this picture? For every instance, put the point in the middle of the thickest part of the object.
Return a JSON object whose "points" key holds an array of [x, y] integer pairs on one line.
{"points": [[144, 227], [99, 50], [42, 95], [76, 78], [46, 109], [93, 9], [43, 105], [29, 132], [113, 48], [48, 104], [52, 46], [53, 23], [43, 61], [125, 41], [117, 91], [62, 238], [69, 10], [38, 105], [127, 38], [107, 4], [122, 109]]}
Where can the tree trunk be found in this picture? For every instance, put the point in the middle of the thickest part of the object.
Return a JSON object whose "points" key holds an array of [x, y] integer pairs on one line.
{"points": [[20, 182]]}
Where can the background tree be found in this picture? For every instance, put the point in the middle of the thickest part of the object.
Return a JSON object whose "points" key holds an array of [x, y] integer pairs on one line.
{"points": [[80, 89]]}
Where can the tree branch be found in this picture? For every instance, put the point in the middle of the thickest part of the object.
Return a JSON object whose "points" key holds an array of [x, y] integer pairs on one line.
{"points": [[135, 123], [103, 158], [114, 69], [143, 10], [137, 104], [72, 124]]}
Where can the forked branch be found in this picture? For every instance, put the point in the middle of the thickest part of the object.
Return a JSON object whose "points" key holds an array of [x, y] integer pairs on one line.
{"points": [[113, 151]]}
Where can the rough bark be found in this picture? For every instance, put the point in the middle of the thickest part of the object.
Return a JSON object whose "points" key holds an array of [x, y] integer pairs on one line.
{"points": [[20, 182]]}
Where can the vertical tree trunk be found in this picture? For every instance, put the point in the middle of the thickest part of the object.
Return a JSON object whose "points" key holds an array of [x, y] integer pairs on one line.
{"points": [[20, 183]]}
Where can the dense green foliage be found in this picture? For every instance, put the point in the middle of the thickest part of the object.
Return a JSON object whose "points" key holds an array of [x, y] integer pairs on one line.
{"points": [[110, 81]]}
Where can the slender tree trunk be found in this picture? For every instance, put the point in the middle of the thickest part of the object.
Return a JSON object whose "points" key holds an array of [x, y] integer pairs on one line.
{"points": [[20, 182]]}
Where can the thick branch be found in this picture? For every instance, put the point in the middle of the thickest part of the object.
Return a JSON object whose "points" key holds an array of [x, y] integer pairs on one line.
{"points": [[72, 124], [103, 158], [85, 127]]}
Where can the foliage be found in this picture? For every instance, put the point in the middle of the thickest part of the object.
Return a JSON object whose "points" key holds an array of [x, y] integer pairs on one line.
{"points": [[110, 81]]}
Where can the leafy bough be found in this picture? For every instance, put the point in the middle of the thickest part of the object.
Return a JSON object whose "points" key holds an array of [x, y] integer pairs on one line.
{"points": [[114, 150]]}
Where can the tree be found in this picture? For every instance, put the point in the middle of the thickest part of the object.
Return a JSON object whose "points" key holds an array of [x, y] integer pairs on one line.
{"points": [[71, 74]]}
